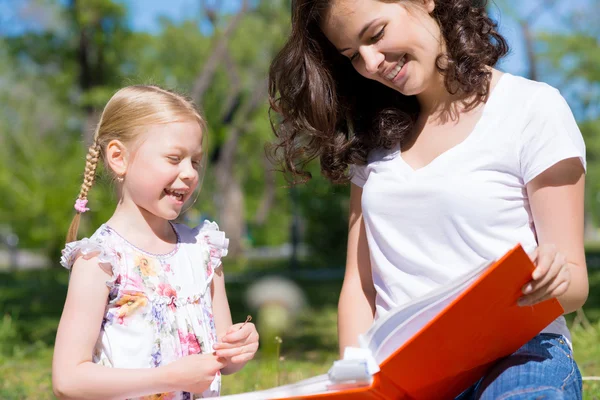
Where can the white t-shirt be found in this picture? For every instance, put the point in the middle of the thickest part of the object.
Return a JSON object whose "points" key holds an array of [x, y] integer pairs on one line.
{"points": [[429, 226]]}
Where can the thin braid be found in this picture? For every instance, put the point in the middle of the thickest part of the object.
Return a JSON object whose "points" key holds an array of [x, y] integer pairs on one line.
{"points": [[91, 162]]}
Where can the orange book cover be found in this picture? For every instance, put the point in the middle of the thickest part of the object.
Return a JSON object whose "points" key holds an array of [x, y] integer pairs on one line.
{"points": [[445, 346]]}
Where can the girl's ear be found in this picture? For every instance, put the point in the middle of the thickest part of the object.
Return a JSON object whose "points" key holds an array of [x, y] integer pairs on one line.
{"points": [[117, 157], [429, 5]]}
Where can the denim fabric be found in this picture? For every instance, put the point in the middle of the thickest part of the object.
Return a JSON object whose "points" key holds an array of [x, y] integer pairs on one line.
{"points": [[542, 369]]}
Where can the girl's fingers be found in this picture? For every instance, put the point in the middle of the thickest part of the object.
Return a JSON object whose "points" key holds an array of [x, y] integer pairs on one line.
{"points": [[251, 340], [243, 358], [242, 333], [238, 351]]}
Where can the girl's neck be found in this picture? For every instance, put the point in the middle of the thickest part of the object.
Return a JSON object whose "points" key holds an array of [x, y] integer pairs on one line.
{"points": [[141, 227]]}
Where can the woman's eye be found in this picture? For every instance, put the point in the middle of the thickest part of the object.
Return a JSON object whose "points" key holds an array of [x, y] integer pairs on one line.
{"points": [[378, 35], [354, 56]]}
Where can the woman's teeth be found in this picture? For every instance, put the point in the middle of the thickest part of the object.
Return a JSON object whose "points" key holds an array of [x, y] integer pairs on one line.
{"points": [[397, 69]]}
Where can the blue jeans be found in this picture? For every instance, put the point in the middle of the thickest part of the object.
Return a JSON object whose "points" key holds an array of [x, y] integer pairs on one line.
{"points": [[542, 369]]}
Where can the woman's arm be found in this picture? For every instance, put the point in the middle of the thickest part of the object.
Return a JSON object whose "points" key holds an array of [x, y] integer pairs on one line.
{"points": [[556, 199], [75, 376], [356, 307]]}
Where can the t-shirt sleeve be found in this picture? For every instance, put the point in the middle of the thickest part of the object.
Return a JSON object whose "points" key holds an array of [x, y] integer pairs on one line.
{"points": [[358, 174], [551, 135]]}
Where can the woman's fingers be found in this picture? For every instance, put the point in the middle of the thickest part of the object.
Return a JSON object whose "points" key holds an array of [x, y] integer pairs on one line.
{"points": [[557, 286]]}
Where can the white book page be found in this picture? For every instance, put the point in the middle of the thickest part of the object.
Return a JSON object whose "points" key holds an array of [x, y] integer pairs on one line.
{"points": [[314, 385], [393, 330]]}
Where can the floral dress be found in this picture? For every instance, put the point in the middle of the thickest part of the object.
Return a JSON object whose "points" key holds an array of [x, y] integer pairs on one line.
{"points": [[159, 308]]}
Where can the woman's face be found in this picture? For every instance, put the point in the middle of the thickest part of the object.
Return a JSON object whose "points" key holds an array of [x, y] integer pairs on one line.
{"points": [[395, 43]]}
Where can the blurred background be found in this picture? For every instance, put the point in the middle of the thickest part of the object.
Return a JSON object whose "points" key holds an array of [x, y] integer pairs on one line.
{"points": [[61, 60]]}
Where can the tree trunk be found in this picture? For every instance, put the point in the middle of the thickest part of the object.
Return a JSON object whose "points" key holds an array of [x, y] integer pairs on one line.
{"points": [[230, 195]]}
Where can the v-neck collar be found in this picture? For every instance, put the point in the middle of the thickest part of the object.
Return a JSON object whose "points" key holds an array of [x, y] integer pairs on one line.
{"points": [[480, 126]]}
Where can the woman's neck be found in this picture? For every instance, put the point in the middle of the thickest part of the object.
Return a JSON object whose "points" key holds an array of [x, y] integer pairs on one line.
{"points": [[436, 103]]}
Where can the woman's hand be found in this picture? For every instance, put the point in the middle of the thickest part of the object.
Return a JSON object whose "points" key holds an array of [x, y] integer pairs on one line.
{"points": [[551, 277], [239, 345], [194, 373]]}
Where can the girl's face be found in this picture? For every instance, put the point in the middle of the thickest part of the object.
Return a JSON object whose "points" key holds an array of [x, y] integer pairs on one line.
{"points": [[162, 172], [395, 43]]}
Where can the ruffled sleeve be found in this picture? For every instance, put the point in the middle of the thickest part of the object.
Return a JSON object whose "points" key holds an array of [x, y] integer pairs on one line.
{"points": [[216, 241], [89, 248], [213, 245]]}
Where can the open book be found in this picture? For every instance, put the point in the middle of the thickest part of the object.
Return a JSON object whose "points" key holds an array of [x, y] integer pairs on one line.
{"points": [[437, 346]]}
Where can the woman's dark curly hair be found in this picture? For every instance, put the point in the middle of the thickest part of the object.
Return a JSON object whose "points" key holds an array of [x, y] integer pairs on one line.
{"points": [[329, 111]]}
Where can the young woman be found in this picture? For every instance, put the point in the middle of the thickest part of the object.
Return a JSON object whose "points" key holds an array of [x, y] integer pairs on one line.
{"points": [[452, 163]]}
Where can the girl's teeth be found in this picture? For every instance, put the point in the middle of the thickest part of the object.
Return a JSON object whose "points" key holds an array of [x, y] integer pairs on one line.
{"points": [[178, 196]]}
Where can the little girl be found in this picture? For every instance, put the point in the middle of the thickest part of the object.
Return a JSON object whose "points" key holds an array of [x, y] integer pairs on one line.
{"points": [[146, 314]]}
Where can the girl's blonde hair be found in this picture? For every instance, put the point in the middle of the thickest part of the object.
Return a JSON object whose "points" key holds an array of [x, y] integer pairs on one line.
{"points": [[127, 110]]}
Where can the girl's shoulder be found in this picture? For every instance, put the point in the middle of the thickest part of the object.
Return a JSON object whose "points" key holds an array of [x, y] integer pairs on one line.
{"points": [[102, 244], [206, 234]]}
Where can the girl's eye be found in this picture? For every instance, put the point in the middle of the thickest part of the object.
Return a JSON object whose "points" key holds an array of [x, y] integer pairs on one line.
{"points": [[196, 164], [173, 158]]}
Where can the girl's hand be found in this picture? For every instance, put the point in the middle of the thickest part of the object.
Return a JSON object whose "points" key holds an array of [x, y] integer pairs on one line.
{"points": [[194, 373], [239, 343], [551, 277]]}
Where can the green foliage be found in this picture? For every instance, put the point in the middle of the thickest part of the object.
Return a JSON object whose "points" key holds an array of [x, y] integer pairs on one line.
{"points": [[47, 101], [324, 207], [574, 58]]}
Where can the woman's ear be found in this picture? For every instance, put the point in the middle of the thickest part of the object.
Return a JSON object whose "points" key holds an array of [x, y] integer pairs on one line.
{"points": [[429, 5], [117, 157]]}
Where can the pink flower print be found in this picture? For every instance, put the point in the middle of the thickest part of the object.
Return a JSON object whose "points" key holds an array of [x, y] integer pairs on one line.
{"points": [[189, 343], [215, 254], [183, 341], [193, 344], [134, 282], [164, 289], [167, 267]]}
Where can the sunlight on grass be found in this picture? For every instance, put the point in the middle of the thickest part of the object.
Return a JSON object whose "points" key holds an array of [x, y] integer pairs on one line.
{"points": [[34, 301]]}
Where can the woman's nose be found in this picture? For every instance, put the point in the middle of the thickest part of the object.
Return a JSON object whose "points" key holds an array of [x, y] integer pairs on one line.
{"points": [[372, 59]]}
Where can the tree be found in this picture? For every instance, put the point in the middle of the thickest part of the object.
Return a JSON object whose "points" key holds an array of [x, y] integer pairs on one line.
{"points": [[243, 63], [574, 58]]}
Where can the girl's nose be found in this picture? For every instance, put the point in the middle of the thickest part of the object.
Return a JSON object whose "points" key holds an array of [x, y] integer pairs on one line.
{"points": [[188, 171]]}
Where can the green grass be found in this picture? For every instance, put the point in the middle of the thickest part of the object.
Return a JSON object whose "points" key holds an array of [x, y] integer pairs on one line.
{"points": [[31, 302]]}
